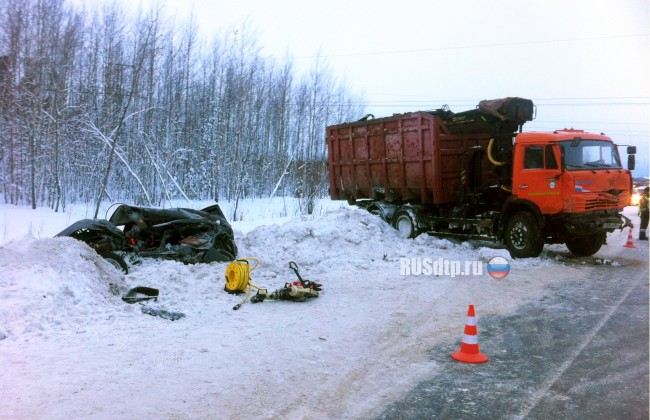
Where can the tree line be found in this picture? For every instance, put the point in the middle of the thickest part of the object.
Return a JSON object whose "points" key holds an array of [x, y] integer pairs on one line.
{"points": [[104, 105]]}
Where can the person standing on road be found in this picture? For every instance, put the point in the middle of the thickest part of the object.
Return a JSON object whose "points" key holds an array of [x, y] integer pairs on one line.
{"points": [[643, 214]]}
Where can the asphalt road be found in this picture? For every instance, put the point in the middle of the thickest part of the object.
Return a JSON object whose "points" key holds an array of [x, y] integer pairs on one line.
{"points": [[579, 353]]}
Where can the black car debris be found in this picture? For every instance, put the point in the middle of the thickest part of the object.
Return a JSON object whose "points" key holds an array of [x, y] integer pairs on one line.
{"points": [[180, 234]]}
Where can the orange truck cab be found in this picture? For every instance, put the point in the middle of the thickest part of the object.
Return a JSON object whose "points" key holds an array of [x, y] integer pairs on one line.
{"points": [[575, 185]]}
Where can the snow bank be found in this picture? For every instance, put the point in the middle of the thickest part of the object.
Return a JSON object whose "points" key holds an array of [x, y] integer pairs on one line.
{"points": [[50, 284]]}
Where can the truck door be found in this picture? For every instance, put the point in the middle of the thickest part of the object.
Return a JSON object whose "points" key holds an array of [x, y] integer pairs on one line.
{"points": [[536, 177]]}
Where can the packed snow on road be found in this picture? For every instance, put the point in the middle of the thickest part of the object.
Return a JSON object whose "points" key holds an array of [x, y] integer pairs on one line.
{"points": [[72, 348]]}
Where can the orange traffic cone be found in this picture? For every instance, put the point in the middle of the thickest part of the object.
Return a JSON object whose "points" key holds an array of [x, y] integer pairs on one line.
{"points": [[469, 351], [629, 243]]}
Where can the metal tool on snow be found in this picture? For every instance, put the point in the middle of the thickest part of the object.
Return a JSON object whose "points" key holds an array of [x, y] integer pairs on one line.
{"points": [[298, 291], [238, 281]]}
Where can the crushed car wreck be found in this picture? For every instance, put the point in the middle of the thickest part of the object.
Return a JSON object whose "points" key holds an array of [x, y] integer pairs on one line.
{"points": [[181, 234]]}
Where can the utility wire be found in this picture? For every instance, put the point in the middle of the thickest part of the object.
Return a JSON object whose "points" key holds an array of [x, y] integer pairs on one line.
{"points": [[464, 47], [430, 105], [592, 122], [429, 99]]}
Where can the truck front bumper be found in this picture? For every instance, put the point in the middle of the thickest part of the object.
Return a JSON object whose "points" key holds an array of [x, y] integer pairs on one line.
{"points": [[596, 221]]}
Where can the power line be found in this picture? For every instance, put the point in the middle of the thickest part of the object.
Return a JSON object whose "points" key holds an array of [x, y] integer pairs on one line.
{"points": [[605, 99], [468, 105], [463, 47], [593, 125], [600, 128], [583, 98], [599, 104], [591, 122], [591, 98]]}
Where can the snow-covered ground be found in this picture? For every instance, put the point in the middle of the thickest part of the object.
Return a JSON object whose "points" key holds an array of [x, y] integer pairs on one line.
{"points": [[71, 348]]}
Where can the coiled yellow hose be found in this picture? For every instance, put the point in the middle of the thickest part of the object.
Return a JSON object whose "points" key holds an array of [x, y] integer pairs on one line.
{"points": [[238, 278]]}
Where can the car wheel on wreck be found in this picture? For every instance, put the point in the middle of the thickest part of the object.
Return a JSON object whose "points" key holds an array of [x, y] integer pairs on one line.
{"points": [[223, 250], [116, 261], [217, 255]]}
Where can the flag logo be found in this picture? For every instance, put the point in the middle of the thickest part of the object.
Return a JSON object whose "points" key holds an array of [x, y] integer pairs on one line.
{"points": [[498, 267]]}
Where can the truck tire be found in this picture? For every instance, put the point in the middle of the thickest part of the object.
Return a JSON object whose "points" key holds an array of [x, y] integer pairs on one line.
{"points": [[523, 236], [585, 246], [376, 210], [405, 223]]}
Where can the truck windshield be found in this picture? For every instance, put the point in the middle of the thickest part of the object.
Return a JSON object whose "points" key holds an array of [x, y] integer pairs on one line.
{"points": [[589, 154]]}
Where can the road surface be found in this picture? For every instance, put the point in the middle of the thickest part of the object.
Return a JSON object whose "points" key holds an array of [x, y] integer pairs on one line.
{"points": [[580, 352]]}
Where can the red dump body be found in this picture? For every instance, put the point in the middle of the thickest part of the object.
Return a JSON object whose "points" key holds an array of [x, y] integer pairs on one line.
{"points": [[405, 158]]}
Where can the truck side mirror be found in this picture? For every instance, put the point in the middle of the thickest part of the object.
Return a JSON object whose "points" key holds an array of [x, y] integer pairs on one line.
{"points": [[631, 150], [630, 161]]}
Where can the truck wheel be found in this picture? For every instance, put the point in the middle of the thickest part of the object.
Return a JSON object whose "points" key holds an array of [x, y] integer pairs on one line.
{"points": [[523, 236], [404, 222], [376, 210], [585, 246]]}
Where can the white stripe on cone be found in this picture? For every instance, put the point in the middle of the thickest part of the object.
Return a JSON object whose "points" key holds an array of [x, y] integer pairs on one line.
{"points": [[470, 339]]}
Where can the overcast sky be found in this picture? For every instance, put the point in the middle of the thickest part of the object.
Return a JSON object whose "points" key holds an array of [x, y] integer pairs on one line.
{"points": [[583, 62]]}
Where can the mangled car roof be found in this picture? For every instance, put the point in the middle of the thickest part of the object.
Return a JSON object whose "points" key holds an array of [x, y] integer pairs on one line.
{"points": [[123, 215]]}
